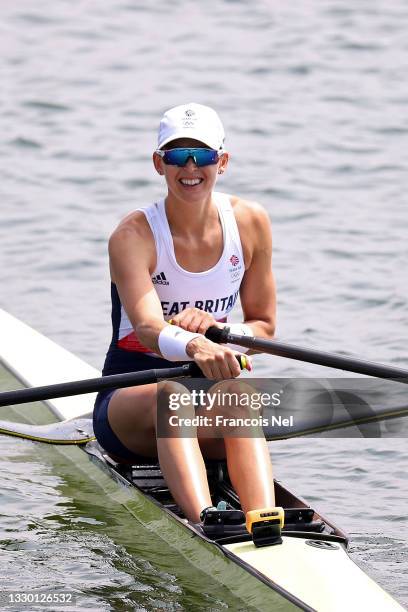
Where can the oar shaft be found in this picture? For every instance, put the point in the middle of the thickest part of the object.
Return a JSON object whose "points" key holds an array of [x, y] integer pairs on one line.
{"points": [[92, 385], [330, 360]]}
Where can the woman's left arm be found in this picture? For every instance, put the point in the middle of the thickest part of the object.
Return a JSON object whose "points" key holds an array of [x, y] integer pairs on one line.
{"points": [[257, 291]]}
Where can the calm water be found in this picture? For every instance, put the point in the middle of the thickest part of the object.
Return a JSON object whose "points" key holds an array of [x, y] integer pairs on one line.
{"points": [[313, 97]]}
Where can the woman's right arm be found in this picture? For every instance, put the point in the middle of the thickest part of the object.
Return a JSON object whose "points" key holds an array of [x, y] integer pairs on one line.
{"points": [[132, 258]]}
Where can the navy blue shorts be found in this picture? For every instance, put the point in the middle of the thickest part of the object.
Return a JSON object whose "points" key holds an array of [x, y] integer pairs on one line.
{"points": [[104, 432], [119, 361]]}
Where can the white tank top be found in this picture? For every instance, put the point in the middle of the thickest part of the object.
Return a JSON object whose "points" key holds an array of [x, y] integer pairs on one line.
{"points": [[214, 290]]}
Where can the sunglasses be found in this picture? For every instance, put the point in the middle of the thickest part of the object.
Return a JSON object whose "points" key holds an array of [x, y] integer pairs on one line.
{"points": [[179, 157]]}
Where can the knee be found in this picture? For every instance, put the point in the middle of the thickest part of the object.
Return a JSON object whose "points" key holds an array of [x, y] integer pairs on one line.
{"points": [[174, 397], [235, 399]]}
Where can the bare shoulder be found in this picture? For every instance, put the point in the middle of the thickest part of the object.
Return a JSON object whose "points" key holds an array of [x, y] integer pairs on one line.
{"points": [[134, 227], [254, 228], [249, 213], [133, 238]]}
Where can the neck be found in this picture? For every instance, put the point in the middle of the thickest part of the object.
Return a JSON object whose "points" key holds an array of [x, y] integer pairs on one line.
{"points": [[188, 218]]}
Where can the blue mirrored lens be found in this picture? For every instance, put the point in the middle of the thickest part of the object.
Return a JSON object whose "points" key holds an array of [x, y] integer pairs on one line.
{"points": [[201, 157]]}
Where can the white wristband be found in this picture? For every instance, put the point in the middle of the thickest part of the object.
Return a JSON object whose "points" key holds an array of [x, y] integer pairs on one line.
{"points": [[173, 341], [240, 329]]}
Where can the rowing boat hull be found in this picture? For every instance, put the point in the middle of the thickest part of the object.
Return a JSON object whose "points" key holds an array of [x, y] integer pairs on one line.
{"points": [[304, 572]]}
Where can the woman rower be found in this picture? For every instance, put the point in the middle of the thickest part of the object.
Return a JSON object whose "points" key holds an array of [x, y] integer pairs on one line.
{"points": [[185, 259]]}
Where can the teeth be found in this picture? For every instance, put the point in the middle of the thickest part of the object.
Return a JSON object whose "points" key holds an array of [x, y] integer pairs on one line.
{"points": [[190, 181]]}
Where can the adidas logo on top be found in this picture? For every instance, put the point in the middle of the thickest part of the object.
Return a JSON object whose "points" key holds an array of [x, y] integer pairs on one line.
{"points": [[160, 279]]}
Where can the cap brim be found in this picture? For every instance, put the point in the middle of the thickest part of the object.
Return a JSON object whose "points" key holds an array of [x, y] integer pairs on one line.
{"points": [[187, 134]]}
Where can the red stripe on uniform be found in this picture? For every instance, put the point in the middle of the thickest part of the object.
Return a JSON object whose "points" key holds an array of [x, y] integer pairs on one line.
{"points": [[132, 343]]}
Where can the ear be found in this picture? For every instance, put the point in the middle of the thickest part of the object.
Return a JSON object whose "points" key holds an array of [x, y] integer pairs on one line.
{"points": [[158, 163], [223, 163]]}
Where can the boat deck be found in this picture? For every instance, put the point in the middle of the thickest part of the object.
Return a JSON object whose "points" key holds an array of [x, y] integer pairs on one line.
{"points": [[146, 475]]}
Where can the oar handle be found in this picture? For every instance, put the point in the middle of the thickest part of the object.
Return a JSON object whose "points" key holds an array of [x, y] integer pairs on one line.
{"points": [[94, 385], [218, 334], [330, 360]]}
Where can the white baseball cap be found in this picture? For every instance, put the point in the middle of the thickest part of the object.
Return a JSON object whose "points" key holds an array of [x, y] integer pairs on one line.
{"points": [[192, 121]]}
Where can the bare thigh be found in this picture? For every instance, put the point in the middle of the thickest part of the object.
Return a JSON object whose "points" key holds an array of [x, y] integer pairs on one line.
{"points": [[132, 416]]}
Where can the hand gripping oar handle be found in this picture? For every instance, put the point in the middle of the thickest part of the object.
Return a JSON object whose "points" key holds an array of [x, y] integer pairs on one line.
{"points": [[330, 360]]}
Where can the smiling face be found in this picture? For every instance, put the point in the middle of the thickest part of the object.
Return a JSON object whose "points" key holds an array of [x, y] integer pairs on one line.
{"points": [[190, 181]]}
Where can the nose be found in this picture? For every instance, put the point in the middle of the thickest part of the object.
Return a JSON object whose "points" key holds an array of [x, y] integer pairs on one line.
{"points": [[190, 164]]}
